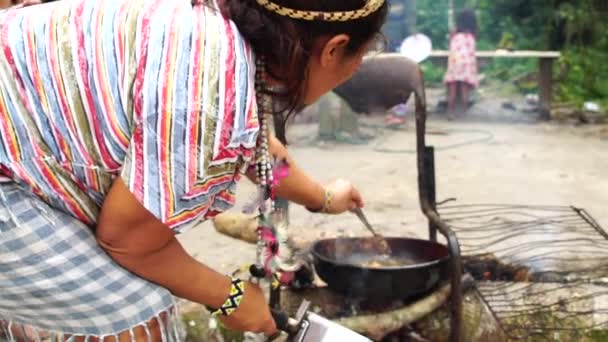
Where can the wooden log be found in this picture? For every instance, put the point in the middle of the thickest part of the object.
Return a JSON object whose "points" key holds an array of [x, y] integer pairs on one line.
{"points": [[243, 227], [377, 326], [479, 324], [374, 325], [236, 225]]}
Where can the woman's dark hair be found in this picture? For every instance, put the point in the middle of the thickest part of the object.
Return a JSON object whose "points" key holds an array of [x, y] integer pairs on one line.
{"points": [[467, 22], [287, 44]]}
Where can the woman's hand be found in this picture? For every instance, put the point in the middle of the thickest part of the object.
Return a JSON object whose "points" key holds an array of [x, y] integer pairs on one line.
{"points": [[253, 314], [345, 197]]}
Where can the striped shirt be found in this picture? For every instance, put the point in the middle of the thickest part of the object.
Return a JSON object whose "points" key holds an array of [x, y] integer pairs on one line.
{"points": [[157, 92]]}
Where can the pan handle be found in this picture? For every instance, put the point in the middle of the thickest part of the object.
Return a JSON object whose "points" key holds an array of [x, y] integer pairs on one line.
{"points": [[284, 322], [281, 320]]}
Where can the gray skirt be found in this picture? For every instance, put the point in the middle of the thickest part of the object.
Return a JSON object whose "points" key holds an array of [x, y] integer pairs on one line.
{"points": [[55, 279]]}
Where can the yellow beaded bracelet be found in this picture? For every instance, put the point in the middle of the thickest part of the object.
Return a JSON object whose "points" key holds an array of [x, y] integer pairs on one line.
{"points": [[232, 303], [328, 198]]}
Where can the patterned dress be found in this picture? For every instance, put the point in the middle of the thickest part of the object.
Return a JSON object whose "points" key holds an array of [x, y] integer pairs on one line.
{"points": [[157, 92], [462, 62], [154, 91]]}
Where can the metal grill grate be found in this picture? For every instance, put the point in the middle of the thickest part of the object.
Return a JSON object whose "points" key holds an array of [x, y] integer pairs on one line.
{"points": [[543, 270]]}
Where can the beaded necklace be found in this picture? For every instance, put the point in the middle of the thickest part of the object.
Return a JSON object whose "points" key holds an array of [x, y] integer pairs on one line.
{"points": [[263, 164], [274, 256]]}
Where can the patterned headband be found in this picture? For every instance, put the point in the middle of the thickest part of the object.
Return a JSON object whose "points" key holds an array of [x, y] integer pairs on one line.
{"points": [[370, 7]]}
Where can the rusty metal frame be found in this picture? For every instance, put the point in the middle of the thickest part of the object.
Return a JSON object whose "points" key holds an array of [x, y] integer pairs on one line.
{"points": [[427, 197]]}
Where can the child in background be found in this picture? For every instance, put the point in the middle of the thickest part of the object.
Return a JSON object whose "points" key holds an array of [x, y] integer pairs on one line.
{"points": [[461, 76]]}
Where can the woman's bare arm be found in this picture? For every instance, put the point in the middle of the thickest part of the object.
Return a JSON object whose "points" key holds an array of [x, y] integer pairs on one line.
{"points": [[139, 242], [298, 187]]}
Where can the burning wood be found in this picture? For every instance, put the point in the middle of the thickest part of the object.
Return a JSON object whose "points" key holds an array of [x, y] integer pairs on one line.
{"points": [[487, 267]]}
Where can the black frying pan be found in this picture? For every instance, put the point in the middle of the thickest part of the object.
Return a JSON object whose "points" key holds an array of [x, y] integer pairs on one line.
{"points": [[354, 267]]}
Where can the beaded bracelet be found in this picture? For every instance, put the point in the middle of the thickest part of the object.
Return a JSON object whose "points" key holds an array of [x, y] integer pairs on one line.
{"points": [[328, 198], [237, 290]]}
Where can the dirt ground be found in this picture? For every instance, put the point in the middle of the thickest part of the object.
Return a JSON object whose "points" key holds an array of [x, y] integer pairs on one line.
{"points": [[482, 159]]}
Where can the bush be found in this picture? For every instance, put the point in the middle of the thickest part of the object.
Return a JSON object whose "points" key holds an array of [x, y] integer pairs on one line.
{"points": [[433, 73]]}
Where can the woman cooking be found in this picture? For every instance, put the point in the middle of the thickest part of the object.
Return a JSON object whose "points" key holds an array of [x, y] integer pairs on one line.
{"points": [[123, 122]]}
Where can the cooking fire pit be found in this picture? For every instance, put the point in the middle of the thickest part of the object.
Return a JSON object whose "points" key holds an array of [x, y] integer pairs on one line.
{"points": [[447, 265]]}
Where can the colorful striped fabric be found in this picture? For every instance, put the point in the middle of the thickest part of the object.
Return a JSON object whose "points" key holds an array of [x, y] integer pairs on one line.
{"points": [[158, 92]]}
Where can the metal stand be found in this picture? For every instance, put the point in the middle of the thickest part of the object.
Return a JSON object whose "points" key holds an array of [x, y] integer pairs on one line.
{"points": [[426, 191], [429, 167]]}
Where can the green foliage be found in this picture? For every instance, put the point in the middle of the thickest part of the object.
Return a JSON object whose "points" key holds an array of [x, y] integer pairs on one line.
{"points": [[586, 78], [432, 20], [598, 336], [433, 73], [579, 19], [583, 66]]}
